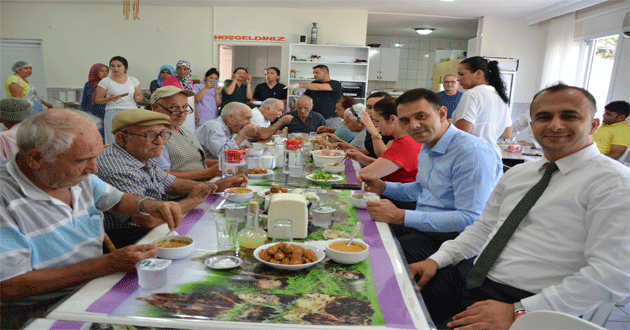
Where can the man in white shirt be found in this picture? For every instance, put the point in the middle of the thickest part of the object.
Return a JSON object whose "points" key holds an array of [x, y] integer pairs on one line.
{"points": [[571, 251], [269, 110]]}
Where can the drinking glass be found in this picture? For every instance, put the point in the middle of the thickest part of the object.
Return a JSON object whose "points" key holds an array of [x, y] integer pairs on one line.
{"points": [[226, 233], [283, 230]]}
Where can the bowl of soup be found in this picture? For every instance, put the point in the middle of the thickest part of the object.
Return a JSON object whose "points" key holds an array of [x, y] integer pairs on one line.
{"points": [[339, 251], [174, 247], [239, 195], [334, 168]]}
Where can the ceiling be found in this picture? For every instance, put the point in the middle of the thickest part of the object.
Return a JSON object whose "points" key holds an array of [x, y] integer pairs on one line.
{"points": [[455, 19]]}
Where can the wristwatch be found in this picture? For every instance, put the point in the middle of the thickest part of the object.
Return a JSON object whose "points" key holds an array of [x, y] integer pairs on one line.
{"points": [[519, 310], [378, 137], [140, 202]]}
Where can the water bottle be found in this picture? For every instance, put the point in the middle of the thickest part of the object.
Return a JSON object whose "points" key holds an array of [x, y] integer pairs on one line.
{"points": [[314, 34]]}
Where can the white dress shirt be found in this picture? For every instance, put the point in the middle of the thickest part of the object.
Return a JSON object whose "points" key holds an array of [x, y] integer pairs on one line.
{"points": [[572, 250]]}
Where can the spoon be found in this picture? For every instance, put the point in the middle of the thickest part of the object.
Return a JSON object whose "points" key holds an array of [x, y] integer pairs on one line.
{"points": [[354, 233], [363, 190], [227, 194]]}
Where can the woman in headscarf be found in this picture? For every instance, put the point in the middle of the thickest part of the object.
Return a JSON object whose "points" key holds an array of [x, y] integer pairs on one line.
{"points": [[165, 72], [97, 72], [182, 79], [17, 86]]}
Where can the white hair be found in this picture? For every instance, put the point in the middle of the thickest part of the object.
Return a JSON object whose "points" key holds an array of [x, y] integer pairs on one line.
{"points": [[51, 131], [359, 109], [234, 108], [270, 102]]}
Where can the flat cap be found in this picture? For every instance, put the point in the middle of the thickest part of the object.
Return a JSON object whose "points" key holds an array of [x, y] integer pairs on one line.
{"points": [[168, 91], [15, 109], [140, 117]]}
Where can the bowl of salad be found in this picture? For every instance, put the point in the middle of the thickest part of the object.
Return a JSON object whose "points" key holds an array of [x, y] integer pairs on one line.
{"points": [[327, 156]]}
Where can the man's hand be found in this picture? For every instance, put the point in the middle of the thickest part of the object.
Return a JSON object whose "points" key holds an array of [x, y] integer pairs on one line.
{"points": [[292, 86], [238, 180], [285, 120], [487, 314], [125, 259], [169, 212], [372, 183], [248, 130], [426, 269], [202, 190], [385, 211], [323, 129], [355, 154], [248, 79]]}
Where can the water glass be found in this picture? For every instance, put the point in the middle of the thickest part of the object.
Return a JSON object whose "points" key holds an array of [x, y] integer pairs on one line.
{"points": [[295, 171], [226, 233], [282, 230], [236, 212]]}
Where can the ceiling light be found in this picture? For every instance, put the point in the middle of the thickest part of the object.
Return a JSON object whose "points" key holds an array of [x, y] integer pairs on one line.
{"points": [[424, 31]]}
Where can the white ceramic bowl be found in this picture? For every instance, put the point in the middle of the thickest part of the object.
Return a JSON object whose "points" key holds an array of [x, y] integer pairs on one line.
{"points": [[321, 160], [240, 197], [175, 253], [334, 169], [347, 258], [358, 201], [319, 252]]}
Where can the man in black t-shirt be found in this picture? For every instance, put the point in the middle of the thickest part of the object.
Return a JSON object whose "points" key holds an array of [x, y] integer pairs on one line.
{"points": [[324, 92]]}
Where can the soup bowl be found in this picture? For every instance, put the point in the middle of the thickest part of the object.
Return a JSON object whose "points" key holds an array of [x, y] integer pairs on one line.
{"points": [[177, 252], [239, 195], [348, 258]]}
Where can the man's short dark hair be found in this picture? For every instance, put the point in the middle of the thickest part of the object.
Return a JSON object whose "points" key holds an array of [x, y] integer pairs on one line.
{"points": [[559, 87], [619, 107], [321, 66], [378, 94], [418, 94]]}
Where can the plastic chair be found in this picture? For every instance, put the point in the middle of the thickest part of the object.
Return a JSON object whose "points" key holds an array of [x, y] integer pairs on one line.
{"points": [[552, 320]]}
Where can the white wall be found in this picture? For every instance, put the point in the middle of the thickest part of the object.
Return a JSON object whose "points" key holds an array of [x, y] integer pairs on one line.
{"points": [[75, 36], [336, 27], [507, 37], [415, 71]]}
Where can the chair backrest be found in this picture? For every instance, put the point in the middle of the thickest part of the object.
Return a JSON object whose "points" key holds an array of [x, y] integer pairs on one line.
{"points": [[625, 158], [552, 320]]}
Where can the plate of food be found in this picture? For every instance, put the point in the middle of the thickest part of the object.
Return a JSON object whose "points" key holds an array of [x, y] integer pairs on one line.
{"points": [[267, 192], [289, 256], [257, 173], [323, 177]]}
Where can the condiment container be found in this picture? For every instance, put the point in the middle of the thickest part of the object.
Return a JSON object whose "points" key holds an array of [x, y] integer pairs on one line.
{"points": [[514, 147], [252, 236], [152, 273]]}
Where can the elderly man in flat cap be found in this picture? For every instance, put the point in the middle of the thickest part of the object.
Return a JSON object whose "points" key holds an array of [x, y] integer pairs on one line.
{"points": [[182, 156], [51, 211], [12, 111], [129, 164]]}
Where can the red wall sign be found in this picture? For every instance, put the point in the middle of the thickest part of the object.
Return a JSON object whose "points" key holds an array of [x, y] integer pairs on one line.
{"points": [[249, 38]]}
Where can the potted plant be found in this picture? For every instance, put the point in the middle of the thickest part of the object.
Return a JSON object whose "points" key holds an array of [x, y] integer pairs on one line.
{"points": [[315, 58]]}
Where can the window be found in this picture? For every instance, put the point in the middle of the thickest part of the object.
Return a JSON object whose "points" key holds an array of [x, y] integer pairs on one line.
{"points": [[597, 59]]}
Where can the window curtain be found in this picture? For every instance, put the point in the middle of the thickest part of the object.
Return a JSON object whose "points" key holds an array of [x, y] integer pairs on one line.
{"points": [[560, 54]]}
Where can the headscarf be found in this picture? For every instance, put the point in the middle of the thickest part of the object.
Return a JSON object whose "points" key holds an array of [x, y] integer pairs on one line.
{"points": [[185, 81], [93, 78], [164, 67], [19, 64]]}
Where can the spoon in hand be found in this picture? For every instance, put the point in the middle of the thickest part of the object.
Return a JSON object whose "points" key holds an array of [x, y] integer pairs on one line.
{"points": [[354, 233]]}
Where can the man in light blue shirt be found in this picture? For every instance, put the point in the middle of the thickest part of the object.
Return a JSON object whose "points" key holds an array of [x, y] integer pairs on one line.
{"points": [[456, 174], [228, 131]]}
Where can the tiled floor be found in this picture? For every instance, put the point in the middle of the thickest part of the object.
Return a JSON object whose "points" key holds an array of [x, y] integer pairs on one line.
{"points": [[619, 318]]}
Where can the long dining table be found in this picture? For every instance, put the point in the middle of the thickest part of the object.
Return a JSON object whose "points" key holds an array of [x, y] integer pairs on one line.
{"points": [[378, 292]]}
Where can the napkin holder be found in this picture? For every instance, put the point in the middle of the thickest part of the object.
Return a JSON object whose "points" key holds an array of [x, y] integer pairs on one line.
{"points": [[292, 207]]}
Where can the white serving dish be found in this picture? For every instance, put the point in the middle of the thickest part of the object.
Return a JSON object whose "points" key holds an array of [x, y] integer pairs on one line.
{"points": [[336, 178], [175, 253], [347, 258], [321, 160], [334, 169], [259, 176], [319, 252], [239, 198]]}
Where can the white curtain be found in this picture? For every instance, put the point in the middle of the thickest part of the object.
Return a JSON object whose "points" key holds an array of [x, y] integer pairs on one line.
{"points": [[560, 63]]}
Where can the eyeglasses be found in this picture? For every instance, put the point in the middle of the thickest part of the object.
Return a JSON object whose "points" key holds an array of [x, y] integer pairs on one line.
{"points": [[152, 136], [172, 110], [450, 82]]}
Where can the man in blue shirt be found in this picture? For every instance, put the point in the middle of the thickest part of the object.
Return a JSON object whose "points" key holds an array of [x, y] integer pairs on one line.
{"points": [[456, 174], [450, 96]]}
